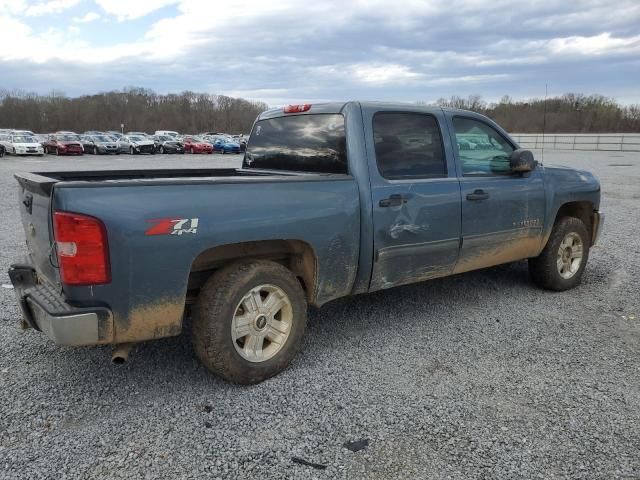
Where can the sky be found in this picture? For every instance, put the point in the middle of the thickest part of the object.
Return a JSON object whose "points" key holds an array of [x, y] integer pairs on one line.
{"points": [[287, 51]]}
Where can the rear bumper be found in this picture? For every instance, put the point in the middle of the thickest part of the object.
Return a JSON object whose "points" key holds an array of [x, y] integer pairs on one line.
{"points": [[44, 309]]}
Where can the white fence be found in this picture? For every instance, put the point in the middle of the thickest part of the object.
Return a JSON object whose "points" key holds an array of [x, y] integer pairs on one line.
{"points": [[616, 142]]}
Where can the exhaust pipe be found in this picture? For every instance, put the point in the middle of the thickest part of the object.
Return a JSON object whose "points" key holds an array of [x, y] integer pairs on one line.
{"points": [[120, 353]]}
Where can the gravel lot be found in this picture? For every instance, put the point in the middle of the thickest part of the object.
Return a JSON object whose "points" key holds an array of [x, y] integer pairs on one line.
{"points": [[479, 375]]}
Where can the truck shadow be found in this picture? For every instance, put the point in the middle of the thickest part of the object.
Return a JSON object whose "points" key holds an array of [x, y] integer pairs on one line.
{"points": [[432, 305]]}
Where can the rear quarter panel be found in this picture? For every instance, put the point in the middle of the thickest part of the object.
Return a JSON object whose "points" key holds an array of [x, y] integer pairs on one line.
{"points": [[150, 273]]}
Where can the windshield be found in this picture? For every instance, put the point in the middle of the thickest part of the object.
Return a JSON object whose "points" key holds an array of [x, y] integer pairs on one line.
{"points": [[164, 138], [101, 138], [307, 143], [197, 139], [24, 139], [136, 139]]}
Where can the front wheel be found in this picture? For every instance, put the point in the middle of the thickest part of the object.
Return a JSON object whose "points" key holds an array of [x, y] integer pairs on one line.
{"points": [[161, 150], [561, 264], [249, 320], [95, 150], [131, 151]]}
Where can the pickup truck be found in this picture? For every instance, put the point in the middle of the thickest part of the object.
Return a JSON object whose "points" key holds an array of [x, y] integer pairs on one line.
{"points": [[331, 200]]}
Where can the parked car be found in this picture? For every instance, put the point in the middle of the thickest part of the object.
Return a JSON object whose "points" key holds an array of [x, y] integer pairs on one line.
{"points": [[22, 132], [224, 144], [41, 138], [167, 133], [167, 144], [343, 211], [135, 144], [64, 144], [100, 144], [194, 144], [113, 134], [242, 141], [24, 145], [5, 141]]}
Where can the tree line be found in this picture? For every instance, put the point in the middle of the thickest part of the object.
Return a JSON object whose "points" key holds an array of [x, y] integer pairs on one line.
{"points": [[190, 112], [569, 113], [137, 108]]}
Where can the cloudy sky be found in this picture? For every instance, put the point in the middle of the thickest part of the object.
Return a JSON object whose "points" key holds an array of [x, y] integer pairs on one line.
{"points": [[284, 51]]}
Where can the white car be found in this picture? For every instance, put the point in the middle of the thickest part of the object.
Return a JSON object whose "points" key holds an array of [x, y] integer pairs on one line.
{"points": [[167, 133], [23, 145], [135, 144]]}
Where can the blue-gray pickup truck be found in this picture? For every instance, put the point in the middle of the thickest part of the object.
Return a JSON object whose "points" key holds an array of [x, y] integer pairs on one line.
{"points": [[331, 200]]}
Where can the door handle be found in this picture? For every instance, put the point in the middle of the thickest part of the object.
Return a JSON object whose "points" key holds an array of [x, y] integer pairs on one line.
{"points": [[394, 200], [477, 195]]}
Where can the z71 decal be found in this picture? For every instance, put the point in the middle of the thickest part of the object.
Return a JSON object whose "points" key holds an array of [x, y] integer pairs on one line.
{"points": [[173, 226]]}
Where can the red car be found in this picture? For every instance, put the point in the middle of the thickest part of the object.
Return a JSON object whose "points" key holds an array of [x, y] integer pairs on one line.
{"points": [[63, 144], [196, 145]]}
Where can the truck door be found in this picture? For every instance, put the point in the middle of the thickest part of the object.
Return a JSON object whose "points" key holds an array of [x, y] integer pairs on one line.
{"points": [[416, 196], [502, 211]]}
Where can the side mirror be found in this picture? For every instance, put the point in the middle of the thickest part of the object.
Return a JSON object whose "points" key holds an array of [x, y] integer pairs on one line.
{"points": [[522, 161]]}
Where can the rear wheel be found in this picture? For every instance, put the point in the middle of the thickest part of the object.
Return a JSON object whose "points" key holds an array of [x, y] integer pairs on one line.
{"points": [[249, 320], [191, 150], [562, 262]]}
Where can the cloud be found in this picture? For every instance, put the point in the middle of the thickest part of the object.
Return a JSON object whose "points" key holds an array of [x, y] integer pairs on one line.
{"points": [[379, 49], [602, 44], [55, 6], [89, 17], [128, 10]]}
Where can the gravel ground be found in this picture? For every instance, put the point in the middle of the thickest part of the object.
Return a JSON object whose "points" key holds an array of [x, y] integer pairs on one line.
{"points": [[479, 375]]}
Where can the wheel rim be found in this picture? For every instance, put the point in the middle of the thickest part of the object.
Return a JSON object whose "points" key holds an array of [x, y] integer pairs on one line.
{"points": [[261, 323], [570, 255]]}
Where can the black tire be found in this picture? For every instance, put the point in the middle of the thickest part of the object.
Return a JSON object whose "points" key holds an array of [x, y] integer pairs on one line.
{"points": [[131, 151], [95, 150], [56, 152], [213, 316], [161, 150], [544, 270], [1, 153]]}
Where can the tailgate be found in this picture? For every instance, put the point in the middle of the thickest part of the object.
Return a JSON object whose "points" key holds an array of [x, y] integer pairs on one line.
{"points": [[34, 201]]}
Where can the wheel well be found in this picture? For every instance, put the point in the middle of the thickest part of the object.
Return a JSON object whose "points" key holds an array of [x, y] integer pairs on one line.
{"points": [[296, 255], [581, 210]]}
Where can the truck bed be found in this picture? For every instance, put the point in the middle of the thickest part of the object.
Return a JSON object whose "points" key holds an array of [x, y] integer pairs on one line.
{"points": [[42, 182]]}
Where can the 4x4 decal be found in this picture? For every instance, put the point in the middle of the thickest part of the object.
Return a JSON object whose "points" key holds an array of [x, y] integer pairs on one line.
{"points": [[172, 226]]}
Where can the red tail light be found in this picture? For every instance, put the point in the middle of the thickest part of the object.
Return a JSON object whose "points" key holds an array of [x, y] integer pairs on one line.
{"points": [[297, 108], [83, 251]]}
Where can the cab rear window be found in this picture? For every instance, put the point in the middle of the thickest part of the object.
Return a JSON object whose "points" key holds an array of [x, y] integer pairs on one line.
{"points": [[302, 143]]}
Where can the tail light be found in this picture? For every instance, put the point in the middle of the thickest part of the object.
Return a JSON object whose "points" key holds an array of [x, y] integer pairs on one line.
{"points": [[297, 108], [83, 251]]}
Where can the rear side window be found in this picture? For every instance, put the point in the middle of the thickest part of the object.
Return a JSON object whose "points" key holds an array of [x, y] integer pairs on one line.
{"points": [[408, 145], [303, 143]]}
